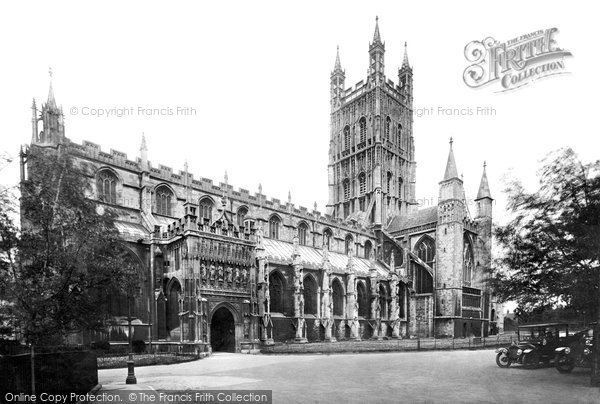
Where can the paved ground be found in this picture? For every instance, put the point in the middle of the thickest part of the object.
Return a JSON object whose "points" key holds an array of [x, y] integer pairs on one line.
{"points": [[437, 376]]}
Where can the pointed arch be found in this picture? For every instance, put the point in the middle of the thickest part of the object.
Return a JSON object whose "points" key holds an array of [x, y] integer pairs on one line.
{"points": [[241, 214], [362, 299], [310, 295], [338, 297], [346, 186], [467, 260], [107, 185], [277, 286], [348, 244], [347, 140], [362, 124], [383, 300], [303, 232], [206, 204], [164, 199], [388, 127], [274, 225], [368, 248], [327, 236], [362, 183], [174, 292]]}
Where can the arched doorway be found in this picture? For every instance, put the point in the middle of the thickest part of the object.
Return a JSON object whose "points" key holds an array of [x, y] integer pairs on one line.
{"points": [[222, 331]]}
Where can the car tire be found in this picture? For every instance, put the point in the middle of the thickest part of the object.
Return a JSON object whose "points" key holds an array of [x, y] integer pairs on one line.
{"points": [[564, 364], [502, 359]]}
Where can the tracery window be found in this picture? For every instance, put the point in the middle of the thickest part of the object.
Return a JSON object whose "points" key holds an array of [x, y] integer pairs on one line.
{"points": [[363, 129], [206, 206], [363, 304], [310, 295], [163, 201], [106, 186], [467, 261], [368, 248], [302, 233], [425, 250], [348, 244], [346, 189], [347, 137], [338, 298], [274, 224], [388, 125], [327, 234], [362, 183], [276, 292]]}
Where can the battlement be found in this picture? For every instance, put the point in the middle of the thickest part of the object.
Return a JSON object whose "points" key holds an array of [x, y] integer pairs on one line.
{"points": [[117, 158]]}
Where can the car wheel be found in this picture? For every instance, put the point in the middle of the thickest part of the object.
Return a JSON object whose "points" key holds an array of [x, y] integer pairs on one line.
{"points": [[531, 360], [502, 360], [564, 364]]}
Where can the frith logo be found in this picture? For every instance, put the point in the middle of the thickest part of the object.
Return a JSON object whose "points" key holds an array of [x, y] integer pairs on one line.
{"points": [[515, 63]]}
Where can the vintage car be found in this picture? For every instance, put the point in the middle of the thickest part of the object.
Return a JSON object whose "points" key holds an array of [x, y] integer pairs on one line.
{"points": [[535, 344], [576, 353]]}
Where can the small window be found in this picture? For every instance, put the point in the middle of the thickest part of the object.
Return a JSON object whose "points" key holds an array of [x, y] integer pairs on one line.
{"points": [[347, 137], [368, 248], [327, 238], [348, 245], [241, 216], [206, 206]]}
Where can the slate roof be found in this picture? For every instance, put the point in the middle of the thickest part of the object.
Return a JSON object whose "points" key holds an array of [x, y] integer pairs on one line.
{"points": [[419, 218], [310, 257]]}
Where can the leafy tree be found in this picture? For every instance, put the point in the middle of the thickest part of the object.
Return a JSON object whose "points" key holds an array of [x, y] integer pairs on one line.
{"points": [[55, 269], [552, 244]]}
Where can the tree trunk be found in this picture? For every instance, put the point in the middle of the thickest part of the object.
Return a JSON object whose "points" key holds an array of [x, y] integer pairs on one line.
{"points": [[595, 378]]}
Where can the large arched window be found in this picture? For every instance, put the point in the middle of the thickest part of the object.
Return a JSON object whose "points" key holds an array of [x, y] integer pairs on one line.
{"points": [[274, 223], [425, 250], [467, 261], [276, 291], [302, 233], [338, 298], [327, 235], [383, 301], [389, 182], [368, 248], [310, 295], [106, 186], [346, 189], [206, 205], [363, 129], [388, 126], [362, 183], [348, 244], [241, 215], [363, 303], [163, 201], [347, 137]]}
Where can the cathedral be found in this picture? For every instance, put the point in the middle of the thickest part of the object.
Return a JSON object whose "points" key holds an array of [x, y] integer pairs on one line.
{"points": [[228, 270]]}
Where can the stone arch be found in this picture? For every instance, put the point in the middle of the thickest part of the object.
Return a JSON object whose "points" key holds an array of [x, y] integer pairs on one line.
{"points": [[362, 299], [223, 319], [277, 287], [303, 232], [174, 291], [337, 293], [310, 294]]}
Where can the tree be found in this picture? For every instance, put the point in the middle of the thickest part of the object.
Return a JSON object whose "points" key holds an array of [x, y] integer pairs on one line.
{"points": [[55, 269], [552, 244]]}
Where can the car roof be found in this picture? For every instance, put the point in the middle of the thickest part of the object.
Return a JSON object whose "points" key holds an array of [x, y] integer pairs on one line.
{"points": [[543, 325]]}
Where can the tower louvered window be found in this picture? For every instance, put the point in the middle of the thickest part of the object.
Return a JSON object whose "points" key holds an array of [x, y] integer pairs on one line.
{"points": [[346, 189], [363, 129], [362, 184], [388, 125], [347, 137]]}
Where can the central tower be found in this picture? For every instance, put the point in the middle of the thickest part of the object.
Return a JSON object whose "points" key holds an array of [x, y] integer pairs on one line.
{"points": [[371, 167]]}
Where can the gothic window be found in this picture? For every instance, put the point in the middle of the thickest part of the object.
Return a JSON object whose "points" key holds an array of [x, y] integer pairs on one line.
{"points": [[338, 298], [400, 135], [206, 206], [106, 186], [347, 137], [467, 261], [362, 183], [389, 182], [173, 295], [327, 235], [241, 215], [274, 224], [368, 248], [388, 125], [426, 250], [163, 201], [346, 189], [276, 291], [400, 188], [383, 301], [302, 233], [348, 244], [401, 302], [363, 129], [310, 295], [363, 305]]}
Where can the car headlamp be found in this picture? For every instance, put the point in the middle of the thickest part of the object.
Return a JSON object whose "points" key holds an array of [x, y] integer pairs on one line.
{"points": [[519, 352], [567, 350], [586, 351]]}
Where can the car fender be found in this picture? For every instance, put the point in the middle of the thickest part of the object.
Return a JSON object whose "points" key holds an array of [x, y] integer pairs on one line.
{"points": [[501, 350], [527, 350], [560, 349]]}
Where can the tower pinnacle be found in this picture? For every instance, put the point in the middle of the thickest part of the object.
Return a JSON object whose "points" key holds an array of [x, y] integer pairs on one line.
{"points": [[484, 187], [338, 65], [376, 35], [51, 103], [405, 59], [451, 171]]}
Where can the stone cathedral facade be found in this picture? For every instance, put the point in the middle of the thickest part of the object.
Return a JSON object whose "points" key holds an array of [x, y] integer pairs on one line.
{"points": [[226, 269]]}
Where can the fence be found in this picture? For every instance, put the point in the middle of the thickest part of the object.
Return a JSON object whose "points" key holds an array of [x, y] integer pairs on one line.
{"points": [[55, 373], [391, 345]]}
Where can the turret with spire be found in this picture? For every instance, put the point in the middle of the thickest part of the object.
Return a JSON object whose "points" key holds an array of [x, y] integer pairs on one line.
{"points": [[53, 131], [376, 57], [405, 77], [338, 77], [484, 197]]}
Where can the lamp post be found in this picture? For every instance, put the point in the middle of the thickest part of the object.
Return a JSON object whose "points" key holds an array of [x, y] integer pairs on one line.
{"points": [[131, 379]]}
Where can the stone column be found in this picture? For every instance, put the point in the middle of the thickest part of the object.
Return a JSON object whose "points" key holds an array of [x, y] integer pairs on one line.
{"points": [[351, 302], [327, 302], [298, 295], [264, 301]]}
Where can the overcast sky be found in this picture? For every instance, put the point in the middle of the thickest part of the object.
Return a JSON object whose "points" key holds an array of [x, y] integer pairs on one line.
{"points": [[257, 75]]}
